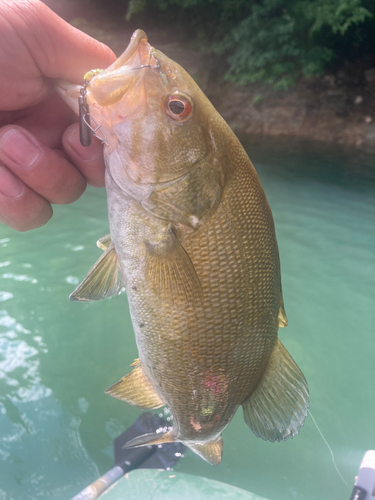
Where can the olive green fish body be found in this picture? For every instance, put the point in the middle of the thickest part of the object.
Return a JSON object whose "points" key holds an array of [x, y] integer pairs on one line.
{"points": [[192, 239]]}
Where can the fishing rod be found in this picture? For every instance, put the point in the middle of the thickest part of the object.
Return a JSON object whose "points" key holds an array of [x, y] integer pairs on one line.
{"points": [[147, 457]]}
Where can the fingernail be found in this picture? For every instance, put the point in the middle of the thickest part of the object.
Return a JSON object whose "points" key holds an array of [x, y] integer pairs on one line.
{"points": [[19, 148], [87, 154], [10, 185]]}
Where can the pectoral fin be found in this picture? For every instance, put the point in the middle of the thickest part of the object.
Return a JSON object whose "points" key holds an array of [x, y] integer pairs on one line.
{"points": [[277, 408], [135, 388], [212, 451], [170, 271], [103, 279]]}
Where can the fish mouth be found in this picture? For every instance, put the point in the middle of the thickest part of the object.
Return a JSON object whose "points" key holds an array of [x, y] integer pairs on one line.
{"points": [[108, 86], [138, 46]]}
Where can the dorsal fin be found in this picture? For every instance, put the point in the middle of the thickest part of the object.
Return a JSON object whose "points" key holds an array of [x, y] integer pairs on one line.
{"points": [[104, 242], [103, 280], [282, 320], [135, 388], [277, 408]]}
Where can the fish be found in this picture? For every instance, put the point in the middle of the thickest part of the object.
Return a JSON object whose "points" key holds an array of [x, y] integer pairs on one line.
{"points": [[192, 240]]}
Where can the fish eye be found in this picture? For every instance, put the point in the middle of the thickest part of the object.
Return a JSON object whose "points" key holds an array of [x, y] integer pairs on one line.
{"points": [[179, 107]]}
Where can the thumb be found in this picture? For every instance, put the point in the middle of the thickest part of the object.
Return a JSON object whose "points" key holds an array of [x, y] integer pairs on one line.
{"points": [[58, 49]]}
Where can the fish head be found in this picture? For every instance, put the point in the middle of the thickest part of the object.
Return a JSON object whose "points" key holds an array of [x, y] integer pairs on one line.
{"points": [[151, 112]]}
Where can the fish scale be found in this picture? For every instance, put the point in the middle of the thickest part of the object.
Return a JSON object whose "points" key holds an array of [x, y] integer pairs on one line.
{"points": [[192, 239], [215, 327]]}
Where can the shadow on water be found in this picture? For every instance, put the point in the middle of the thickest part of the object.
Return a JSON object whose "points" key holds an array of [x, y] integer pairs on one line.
{"points": [[57, 357]]}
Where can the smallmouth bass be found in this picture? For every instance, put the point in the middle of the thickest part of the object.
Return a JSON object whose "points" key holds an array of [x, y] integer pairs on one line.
{"points": [[192, 240]]}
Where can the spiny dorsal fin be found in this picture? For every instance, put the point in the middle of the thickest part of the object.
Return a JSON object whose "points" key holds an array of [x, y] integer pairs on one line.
{"points": [[104, 242], [135, 388], [212, 451], [150, 439], [170, 271], [282, 320], [277, 408], [103, 280]]}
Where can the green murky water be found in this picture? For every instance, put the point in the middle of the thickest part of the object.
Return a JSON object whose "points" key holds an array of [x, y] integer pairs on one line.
{"points": [[57, 357]]}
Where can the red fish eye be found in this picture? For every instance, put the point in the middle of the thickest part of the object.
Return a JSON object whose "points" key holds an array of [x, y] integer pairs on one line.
{"points": [[178, 107]]}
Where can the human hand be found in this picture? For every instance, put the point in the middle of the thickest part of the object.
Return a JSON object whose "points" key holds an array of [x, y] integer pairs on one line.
{"points": [[41, 158]]}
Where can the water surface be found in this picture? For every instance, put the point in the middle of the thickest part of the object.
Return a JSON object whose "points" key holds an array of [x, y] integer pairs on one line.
{"points": [[57, 357]]}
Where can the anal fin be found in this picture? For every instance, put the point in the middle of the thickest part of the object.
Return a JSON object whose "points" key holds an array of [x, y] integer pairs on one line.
{"points": [[103, 280], [211, 451], [135, 388], [277, 408]]}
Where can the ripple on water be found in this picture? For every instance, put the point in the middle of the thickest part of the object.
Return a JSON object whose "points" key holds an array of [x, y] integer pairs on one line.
{"points": [[40, 444], [4, 242], [5, 296], [19, 277], [72, 280], [19, 361]]}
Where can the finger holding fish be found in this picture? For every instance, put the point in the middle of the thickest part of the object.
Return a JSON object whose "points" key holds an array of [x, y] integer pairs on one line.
{"points": [[42, 169], [20, 207], [88, 160], [34, 176]]}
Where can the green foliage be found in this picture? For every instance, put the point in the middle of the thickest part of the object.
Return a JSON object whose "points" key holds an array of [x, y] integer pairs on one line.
{"points": [[134, 7], [339, 15], [272, 41]]}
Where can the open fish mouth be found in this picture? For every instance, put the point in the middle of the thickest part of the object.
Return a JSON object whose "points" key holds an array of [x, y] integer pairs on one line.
{"points": [[109, 85]]}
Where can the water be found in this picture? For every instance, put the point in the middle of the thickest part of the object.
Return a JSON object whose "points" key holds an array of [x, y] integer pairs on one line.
{"points": [[57, 357]]}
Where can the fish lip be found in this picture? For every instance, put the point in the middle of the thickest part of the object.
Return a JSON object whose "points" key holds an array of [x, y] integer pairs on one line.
{"points": [[130, 50], [110, 85], [136, 40], [70, 92]]}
